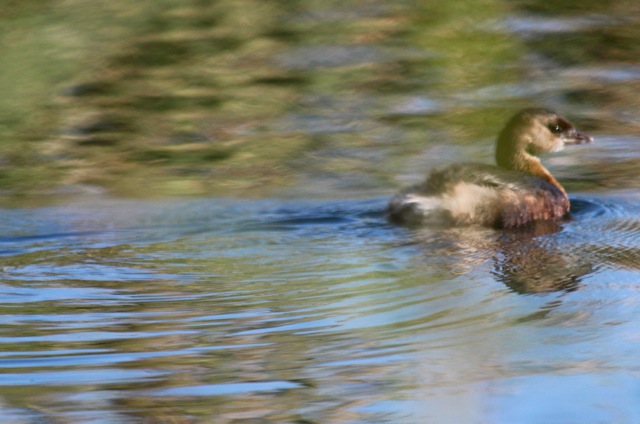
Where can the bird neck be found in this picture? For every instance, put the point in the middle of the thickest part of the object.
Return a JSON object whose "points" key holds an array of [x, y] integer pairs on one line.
{"points": [[514, 156], [534, 167]]}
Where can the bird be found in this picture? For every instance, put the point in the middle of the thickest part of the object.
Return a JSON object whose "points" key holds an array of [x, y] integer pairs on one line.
{"points": [[515, 193]]}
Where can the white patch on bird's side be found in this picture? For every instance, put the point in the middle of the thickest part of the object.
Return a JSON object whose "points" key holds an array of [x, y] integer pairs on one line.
{"points": [[464, 201], [424, 203]]}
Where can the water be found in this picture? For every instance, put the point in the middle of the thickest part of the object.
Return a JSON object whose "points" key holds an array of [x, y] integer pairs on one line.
{"points": [[192, 226], [315, 311]]}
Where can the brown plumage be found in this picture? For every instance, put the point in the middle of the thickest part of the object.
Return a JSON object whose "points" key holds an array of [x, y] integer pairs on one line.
{"points": [[518, 191]]}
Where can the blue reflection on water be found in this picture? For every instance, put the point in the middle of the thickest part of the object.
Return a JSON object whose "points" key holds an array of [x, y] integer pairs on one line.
{"points": [[323, 300]]}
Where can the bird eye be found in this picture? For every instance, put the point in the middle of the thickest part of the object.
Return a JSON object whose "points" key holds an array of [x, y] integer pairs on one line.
{"points": [[555, 128]]}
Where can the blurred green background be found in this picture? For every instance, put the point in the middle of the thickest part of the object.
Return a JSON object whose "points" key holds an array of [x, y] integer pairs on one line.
{"points": [[263, 98]]}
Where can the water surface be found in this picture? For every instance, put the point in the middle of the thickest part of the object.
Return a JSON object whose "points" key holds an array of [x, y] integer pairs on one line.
{"points": [[120, 311], [193, 219]]}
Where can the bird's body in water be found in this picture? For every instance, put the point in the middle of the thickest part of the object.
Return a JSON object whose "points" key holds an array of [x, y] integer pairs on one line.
{"points": [[518, 191]]}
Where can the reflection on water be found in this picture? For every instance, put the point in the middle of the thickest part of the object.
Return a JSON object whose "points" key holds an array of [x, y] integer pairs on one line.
{"points": [[538, 265], [292, 310], [306, 311], [229, 98]]}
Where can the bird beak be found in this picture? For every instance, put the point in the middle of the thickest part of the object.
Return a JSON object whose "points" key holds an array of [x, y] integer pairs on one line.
{"points": [[574, 136]]}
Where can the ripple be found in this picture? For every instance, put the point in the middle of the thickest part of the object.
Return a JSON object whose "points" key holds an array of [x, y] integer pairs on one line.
{"points": [[311, 57], [78, 377], [530, 25], [318, 299], [227, 389], [604, 233]]}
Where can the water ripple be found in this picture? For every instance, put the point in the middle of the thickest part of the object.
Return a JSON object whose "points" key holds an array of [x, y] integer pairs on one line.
{"points": [[311, 299]]}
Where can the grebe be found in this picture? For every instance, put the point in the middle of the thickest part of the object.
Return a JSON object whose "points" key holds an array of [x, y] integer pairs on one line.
{"points": [[518, 191]]}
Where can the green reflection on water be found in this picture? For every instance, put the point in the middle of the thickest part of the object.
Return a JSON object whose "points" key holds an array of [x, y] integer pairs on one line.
{"points": [[103, 95], [207, 97]]}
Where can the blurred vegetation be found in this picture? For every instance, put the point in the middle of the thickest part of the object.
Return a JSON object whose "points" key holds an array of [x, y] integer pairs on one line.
{"points": [[166, 97], [125, 95]]}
